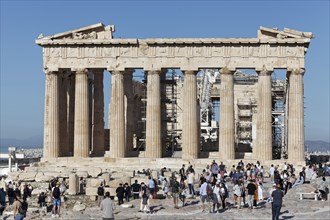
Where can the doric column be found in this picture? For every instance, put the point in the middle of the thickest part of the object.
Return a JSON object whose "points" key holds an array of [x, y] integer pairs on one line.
{"points": [[190, 137], [263, 148], [98, 118], [81, 119], [52, 116], [117, 116], [227, 123], [153, 123], [296, 134]]}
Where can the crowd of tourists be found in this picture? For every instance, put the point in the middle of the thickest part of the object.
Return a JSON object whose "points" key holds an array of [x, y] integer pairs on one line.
{"points": [[220, 187]]}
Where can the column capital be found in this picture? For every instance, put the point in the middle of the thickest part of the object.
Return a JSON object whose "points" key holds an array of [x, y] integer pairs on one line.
{"points": [[153, 72], [296, 71], [117, 72], [190, 72], [264, 71], [226, 71], [80, 70], [49, 72]]}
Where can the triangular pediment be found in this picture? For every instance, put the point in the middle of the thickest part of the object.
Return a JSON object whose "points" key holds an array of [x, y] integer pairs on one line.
{"points": [[264, 33], [95, 31]]}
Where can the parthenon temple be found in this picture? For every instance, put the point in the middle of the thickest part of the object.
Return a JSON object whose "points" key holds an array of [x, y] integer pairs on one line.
{"points": [[188, 98]]}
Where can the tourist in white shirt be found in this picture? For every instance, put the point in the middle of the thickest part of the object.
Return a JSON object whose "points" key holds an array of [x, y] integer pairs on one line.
{"points": [[203, 195], [271, 172], [191, 180]]}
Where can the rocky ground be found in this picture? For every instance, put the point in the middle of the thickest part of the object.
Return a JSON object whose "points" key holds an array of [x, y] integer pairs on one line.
{"points": [[293, 208]]}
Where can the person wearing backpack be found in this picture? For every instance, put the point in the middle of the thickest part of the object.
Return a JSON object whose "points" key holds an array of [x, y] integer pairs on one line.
{"points": [[20, 208], [56, 200], [100, 194]]}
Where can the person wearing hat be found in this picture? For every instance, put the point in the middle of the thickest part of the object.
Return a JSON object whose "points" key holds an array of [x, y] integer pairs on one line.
{"points": [[277, 196], [56, 200]]}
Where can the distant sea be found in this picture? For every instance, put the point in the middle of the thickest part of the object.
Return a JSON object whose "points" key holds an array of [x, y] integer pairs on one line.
{"points": [[4, 150]]}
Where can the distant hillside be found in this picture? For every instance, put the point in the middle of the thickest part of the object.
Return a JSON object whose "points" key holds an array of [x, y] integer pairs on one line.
{"points": [[36, 141], [317, 146], [29, 142]]}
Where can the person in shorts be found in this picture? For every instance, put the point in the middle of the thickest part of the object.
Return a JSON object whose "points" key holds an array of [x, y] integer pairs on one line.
{"points": [[204, 196], [56, 200]]}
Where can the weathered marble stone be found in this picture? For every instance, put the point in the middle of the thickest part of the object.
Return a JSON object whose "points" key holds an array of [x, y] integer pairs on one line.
{"points": [[30, 176], [123, 180], [95, 171], [91, 191], [94, 182], [13, 176], [41, 177], [79, 207], [82, 174], [127, 205]]}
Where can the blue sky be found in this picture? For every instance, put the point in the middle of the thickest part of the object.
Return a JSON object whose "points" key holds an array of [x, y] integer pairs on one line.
{"points": [[22, 77]]}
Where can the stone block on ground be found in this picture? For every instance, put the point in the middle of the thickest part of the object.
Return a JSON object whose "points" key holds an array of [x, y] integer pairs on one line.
{"points": [[30, 176], [106, 177], [37, 191], [94, 171], [154, 174], [111, 190], [78, 206], [123, 180], [81, 173], [127, 205], [41, 177], [91, 191], [95, 182]]}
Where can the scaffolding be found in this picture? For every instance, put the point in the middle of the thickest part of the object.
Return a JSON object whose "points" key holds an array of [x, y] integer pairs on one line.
{"points": [[208, 84], [279, 91], [172, 134]]}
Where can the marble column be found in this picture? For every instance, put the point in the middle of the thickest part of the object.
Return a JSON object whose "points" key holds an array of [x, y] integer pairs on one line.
{"points": [[227, 119], [98, 117], [51, 116], [81, 119], [263, 149], [190, 133], [153, 123], [117, 116], [73, 184], [296, 134]]}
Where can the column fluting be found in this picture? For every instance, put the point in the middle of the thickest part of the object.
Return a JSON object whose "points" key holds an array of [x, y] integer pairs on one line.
{"points": [[117, 116], [81, 118], [227, 119], [153, 117], [52, 116], [190, 133], [263, 148], [296, 133]]}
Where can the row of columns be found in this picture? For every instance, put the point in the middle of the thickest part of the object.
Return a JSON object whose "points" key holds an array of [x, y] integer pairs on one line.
{"points": [[69, 123], [59, 94]]}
